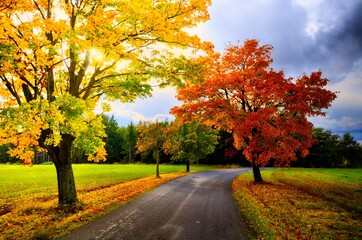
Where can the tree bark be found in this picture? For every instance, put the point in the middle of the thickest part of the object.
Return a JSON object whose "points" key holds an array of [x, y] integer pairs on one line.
{"points": [[61, 156], [129, 155], [158, 164], [256, 173], [67, 193], [188, 166]]}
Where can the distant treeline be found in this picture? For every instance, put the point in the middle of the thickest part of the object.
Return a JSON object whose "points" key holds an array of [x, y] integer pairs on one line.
{"points": [[332, 151], [329, 151]]}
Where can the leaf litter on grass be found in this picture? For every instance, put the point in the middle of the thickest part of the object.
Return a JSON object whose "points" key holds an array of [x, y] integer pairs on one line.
{"points": [[292, 206], [42, 218]]}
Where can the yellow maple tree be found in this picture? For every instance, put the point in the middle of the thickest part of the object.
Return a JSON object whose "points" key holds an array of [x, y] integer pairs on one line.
{"points": [[59, 58]]}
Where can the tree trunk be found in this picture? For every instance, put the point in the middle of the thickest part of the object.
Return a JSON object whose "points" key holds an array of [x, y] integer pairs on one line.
{"points": [[61, 156], [188, 166], [158, 164], [129, 155], [66, 185], [256, 172]]}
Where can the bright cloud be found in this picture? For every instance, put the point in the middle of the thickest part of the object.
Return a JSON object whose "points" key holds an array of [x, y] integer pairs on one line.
{"points": [[151, 109]]}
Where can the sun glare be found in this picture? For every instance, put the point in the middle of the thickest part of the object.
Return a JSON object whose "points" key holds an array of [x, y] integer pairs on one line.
{"points": [[96, 55]]}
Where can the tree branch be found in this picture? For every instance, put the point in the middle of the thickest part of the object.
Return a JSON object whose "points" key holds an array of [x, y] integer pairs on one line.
{"points": [[11, 88], [38, 8]]}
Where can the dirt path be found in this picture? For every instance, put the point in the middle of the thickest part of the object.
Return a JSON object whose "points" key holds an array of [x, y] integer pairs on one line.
{"points": [[198, 206]]}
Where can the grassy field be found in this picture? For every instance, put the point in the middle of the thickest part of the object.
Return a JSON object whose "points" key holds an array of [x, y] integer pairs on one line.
{"points": [[40, 181], [28, 203], [302, 203]]}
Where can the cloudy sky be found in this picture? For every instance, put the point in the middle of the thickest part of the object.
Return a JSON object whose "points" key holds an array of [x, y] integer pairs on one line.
{"points": [[307, 35]]}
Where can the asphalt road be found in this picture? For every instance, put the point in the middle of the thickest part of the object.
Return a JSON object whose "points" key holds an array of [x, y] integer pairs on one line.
{"points": [[197, 206]]}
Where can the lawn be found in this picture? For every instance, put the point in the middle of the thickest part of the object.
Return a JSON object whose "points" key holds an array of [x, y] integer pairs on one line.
{"points": [[40, 181], [302, 203], [28, 203]]}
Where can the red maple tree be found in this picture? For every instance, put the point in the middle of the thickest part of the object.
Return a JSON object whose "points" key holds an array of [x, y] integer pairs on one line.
{"points": [[265, 111]]}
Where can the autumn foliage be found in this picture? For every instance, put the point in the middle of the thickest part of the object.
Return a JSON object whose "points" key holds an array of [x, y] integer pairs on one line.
{"points": [[150, 139], [59, 58], [265, 111]]}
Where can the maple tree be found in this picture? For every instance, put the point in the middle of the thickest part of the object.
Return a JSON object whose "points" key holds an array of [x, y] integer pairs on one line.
{"points": [[59, 58], [265, 111], [189, 142], [151, 137]]}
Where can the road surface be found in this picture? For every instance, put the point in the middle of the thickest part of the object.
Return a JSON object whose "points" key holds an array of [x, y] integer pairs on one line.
{"points": [[197, 206]]}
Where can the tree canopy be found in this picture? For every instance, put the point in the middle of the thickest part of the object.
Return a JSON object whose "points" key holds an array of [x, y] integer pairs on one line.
{"points": [[189, 142], [265, 111], [151, 139], [350, 151]]}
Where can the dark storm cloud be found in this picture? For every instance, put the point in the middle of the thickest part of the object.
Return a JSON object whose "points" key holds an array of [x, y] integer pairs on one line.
{"points": [[334, 48], [339, 47], [351, 27]]}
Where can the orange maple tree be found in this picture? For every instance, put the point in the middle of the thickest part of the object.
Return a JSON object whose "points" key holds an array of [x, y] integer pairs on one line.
{"points": [[265, 111]]}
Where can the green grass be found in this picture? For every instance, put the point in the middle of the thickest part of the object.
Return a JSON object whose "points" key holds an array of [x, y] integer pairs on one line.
{"points": [[331, 175], [40, 181], [302, 203]]}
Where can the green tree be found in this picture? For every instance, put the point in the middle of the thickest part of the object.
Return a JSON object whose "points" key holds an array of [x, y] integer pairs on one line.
{"points": [[114, 140], [151, 139], [325, 151], [67, 55], [4, 155], [351, 151], [131, 136], [225, 152], [189, 142]]}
